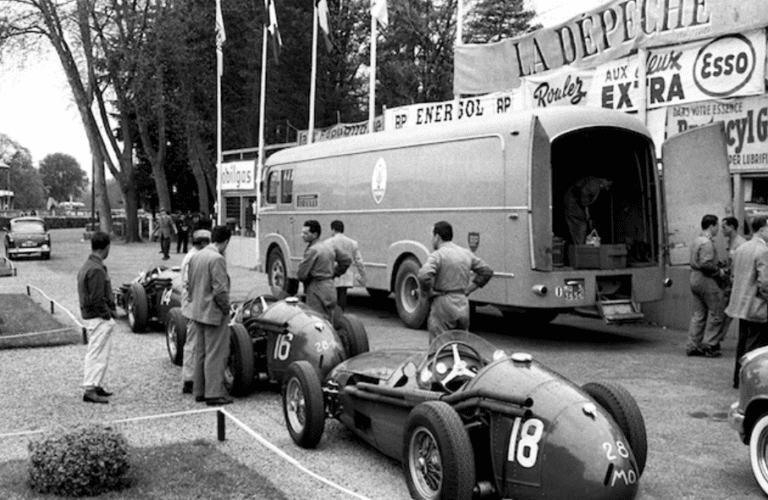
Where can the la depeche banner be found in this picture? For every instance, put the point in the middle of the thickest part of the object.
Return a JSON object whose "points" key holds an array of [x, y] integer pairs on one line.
{"points": [[600, 35]]}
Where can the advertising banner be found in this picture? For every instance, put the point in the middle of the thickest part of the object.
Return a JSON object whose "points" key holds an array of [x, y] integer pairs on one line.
{"points": [[746, 127], [340, 130], [238, 175], [452, 111], [609, 32]]}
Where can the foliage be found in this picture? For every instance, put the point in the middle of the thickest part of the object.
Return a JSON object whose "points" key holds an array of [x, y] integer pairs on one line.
{"points": [[25, 181], [62, 176], [87, 460], [493, 20]]}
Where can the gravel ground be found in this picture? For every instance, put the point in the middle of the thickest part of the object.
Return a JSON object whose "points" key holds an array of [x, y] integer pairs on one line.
{"points": [[46, 387]]}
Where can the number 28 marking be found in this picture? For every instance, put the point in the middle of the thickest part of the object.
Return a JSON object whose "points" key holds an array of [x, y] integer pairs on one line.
{"points": [[524, 441]]}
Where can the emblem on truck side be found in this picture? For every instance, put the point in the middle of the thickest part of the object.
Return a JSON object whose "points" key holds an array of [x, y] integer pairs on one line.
{"points": [[379, 180], [474, 241]]}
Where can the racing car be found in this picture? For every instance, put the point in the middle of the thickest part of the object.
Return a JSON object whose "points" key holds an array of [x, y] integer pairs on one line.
{"points": [[467, 420], [268, 334], [150, 297]]}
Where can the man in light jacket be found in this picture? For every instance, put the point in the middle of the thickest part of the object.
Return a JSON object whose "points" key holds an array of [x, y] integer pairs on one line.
{"points": [[749, 292], [340, 243]]}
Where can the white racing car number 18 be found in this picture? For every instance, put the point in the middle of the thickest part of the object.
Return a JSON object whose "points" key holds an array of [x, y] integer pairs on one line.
{"points": [[524, 441]]}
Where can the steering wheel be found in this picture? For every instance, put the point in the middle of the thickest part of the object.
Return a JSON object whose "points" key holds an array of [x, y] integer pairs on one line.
{"points": [[460, 371]]}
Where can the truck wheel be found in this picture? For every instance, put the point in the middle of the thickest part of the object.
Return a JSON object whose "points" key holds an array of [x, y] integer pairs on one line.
{"points": [[438, 461], [138, 308], [176, 335], [412, 305], [353, 335], [238, 375], [303, 405], [758, 452], [620, 405], [276, 270]]}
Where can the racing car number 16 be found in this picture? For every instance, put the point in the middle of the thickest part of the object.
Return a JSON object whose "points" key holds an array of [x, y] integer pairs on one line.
{"points": [[524, 441]]}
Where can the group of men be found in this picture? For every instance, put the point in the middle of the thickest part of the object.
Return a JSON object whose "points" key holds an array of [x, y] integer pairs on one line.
{"points": [[205, 303], [735, 288], [325, 271]]}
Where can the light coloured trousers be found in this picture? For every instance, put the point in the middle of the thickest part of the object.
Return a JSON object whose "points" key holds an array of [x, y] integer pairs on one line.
{"points": [[448, 312], [188, 366], [211, 354], [99, 348]]}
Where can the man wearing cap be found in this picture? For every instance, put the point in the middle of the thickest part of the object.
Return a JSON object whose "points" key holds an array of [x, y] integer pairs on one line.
{"points": [[200, 239]]}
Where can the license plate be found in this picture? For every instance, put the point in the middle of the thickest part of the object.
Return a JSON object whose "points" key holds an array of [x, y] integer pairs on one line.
{"points": [[29, 244], [573, 290]]}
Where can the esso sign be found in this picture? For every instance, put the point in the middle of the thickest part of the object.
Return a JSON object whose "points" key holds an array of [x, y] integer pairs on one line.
{"points": [[724, 65]]}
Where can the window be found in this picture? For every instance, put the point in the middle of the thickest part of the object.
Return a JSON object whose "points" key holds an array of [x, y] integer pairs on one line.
{"points": [[286, 183], [272, 183]]}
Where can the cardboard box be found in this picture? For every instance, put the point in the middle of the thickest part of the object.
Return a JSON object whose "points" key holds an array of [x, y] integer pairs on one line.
{"points": [[602, 257]]}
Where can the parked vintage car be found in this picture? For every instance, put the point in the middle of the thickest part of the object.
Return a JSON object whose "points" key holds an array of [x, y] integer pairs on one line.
{"points": [[27, 236], [467, 420], [150, 297], [749, 415], [268, 334]]}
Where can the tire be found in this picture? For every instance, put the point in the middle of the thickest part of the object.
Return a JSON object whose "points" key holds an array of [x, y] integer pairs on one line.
{"points": [[303, 405], [353, 335], [277, 273], [175, 335], [377, 294], [138, 308], [435, 434], [238, 376], [412, 305], [758, 451], [620, 404]]}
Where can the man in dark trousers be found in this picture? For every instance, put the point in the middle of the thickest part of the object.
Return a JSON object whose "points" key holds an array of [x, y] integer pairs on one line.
{"points": [[317, 270], [182, 232], [166, 229], [447, 280], [577, 200], [208, 295], [749, 293], [97, 307]]}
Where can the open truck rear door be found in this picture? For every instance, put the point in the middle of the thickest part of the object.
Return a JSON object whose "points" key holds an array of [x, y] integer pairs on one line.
{"points": [[696, 182], [540, 198]]}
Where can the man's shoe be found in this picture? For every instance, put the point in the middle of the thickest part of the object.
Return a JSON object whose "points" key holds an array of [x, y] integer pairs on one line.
{"points": [[711, 353], [218, 401], [199, 399], [92, 397], [102, 392], [166, 257], [187, 387], [694, 351]]}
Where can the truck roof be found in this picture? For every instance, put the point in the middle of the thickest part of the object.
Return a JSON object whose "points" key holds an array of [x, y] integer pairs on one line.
{"points": [[556, 122]]}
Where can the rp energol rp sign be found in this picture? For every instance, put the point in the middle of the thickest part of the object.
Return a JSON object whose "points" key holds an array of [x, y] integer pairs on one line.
{"points": [[238, 175], [606, 33]]}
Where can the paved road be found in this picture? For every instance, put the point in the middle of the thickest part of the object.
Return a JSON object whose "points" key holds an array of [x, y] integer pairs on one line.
{"points": [[693, 453]]}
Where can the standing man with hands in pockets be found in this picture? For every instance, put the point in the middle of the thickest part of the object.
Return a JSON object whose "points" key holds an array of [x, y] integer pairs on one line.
{"points": [[208, 292]]}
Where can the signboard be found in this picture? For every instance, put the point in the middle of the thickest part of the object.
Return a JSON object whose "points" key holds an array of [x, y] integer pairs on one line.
{"points": [[746, 128], [603, 34], [452, 111], [340, 130], [238, 175]]}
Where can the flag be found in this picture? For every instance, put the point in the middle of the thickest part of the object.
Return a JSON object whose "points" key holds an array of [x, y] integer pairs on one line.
{"points": [[272, 28], [379, 11], [325, 25], [221, 37]]}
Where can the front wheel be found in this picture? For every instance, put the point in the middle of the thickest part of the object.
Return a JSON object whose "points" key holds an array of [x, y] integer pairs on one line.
{"points": [[758, 451], [353, 335], [239, 373], [303, 405], [176, 335], [439, 461], [412, 305], [138, 308], [620, 404]]}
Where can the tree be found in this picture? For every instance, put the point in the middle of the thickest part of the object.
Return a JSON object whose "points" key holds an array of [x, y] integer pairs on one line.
{"points": [[493, 20], [26, 184], [62, 176]]}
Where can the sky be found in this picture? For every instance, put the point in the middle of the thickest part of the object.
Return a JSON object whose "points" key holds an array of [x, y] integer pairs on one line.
{"points": [[38, 112]]}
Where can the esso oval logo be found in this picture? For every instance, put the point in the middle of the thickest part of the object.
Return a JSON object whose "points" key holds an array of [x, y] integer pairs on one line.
{"points": [[724, 65]]}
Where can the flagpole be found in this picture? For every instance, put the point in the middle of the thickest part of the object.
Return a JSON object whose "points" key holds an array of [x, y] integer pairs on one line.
{"points": [[260, 161], [219, 159], [372, 82], [459, 22], [313, 79]]}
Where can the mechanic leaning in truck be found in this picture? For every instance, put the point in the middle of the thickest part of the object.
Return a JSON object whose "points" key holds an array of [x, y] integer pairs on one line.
{"points": [[446, 279]]}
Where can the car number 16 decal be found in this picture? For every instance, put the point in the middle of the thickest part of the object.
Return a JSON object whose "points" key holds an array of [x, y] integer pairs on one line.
{"points": [[283, 346], [524, 441]]}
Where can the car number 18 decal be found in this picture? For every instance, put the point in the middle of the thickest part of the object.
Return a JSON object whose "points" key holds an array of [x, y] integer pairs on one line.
{"points": [[524, 441]]}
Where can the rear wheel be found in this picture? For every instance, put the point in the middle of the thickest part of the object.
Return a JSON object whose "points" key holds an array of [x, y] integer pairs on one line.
{"points": [[353, 335], [439, 461], [238, 376], [303, 405], [620, 404], [138, 308], [758, 451], [176, 335], [412, 305]]}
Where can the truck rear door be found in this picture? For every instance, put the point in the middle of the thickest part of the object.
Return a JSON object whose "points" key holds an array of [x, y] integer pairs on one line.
{"points": [[540, 198]]}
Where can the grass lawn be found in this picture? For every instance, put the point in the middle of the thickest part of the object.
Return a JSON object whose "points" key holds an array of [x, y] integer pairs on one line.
{"points": [[195, 470]]}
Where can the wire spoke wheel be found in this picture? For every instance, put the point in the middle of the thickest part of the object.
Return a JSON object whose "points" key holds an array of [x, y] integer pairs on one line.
{"points": [[425, 463], [296, 405]]}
